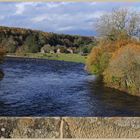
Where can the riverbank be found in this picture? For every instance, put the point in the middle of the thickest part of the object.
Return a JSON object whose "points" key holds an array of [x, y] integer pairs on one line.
{"points": [[61, 57]]}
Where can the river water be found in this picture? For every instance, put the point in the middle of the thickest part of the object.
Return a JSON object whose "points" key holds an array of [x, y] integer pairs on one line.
{"points": [[57, 88]]}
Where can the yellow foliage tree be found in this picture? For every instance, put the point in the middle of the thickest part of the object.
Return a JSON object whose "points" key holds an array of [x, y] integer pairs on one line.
{"points": [[123, 71]]}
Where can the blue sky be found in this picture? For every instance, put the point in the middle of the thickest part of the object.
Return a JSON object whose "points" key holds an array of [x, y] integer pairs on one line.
{"points": [[59, 17]]}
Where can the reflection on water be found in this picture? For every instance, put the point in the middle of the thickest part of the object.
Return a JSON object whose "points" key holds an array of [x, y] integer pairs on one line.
{"points": [[112, 101], [54, 88]]}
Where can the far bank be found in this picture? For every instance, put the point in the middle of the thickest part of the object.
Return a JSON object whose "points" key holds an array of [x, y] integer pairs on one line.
{"points": [[60, 57]]}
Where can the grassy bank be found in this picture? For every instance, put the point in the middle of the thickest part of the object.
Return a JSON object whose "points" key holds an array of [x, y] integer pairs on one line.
{"points": [[61, 57]]}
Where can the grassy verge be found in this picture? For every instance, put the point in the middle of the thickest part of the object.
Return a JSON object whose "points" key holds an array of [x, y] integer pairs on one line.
{"points": [[62, 57]]}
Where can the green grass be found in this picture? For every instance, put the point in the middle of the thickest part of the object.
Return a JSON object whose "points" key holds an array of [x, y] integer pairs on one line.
{"points": [[62, 57]]}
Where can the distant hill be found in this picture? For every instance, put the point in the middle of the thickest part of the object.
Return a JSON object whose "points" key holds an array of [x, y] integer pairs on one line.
{"points": [[19, 39]]}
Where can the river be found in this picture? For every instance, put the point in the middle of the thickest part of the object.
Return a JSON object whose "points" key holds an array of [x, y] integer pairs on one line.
{"points": [[57, 88]]}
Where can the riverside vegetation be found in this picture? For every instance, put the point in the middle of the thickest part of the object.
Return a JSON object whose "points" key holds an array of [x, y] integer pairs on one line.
{"points": [[22, 41], [117, 56]]}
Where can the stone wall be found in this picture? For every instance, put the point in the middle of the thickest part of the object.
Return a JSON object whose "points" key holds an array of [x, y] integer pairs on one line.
{"points": [[70, 127]]}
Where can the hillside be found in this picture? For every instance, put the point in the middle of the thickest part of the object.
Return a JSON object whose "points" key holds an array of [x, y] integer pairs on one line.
{"points": [[27, 40]]}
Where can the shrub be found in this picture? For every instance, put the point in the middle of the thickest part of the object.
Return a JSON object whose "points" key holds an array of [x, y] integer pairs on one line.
{"points": [[31, 44], [47, 48], [98, 59], [9, 45], [21, 51], [62, 49], [123, 71], [2, 53]]}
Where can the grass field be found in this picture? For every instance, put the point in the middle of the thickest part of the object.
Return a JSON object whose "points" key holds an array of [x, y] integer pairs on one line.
{"points": [[62, 57]]}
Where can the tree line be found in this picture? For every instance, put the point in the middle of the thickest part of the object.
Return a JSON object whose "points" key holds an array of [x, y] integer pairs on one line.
{"points": [[16, 40]]}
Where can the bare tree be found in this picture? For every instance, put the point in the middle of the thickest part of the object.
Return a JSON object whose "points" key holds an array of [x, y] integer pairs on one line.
{"points": [[121, 20]]}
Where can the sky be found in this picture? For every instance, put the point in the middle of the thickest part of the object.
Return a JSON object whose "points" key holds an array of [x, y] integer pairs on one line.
{"points": [[59, 17]]}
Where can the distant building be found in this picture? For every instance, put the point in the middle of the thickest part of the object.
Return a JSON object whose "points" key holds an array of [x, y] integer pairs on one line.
{"points": [[58, 50], [69, 50], [42, 50], [46, 49]]}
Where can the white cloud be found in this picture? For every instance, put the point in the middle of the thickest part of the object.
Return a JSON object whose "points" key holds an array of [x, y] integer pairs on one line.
{"points": [[67, 28], [51, 17], [21, 7], [56, 16], [56, 4], [39, 18], [98, 14], [62, 22], [93, 3], [2, 17]]}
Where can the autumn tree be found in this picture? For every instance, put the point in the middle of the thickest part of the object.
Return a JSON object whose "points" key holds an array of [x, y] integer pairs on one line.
{"points": [[122, 20], [117, 55], [123, 71], [116, 29]]}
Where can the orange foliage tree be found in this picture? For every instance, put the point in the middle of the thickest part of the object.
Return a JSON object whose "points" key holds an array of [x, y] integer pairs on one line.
{"points": [[123, 71], [98, 59]]}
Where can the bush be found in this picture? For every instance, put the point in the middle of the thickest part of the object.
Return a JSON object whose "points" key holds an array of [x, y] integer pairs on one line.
{"points": [[31, 44], [2, 53], [118, 62], [47, 48], [21, 51], [63, 49], [98, 59], [9, 45], [123, 71]]}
